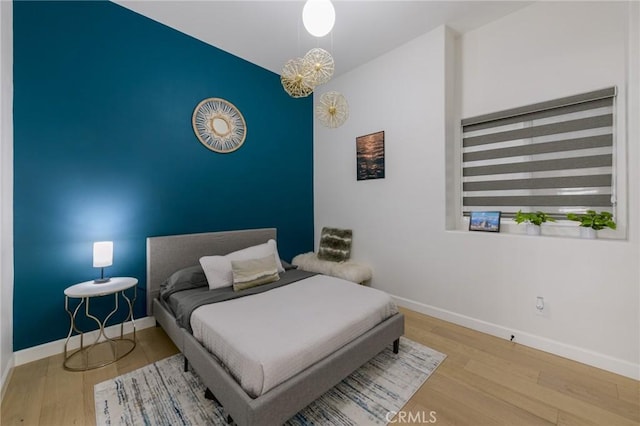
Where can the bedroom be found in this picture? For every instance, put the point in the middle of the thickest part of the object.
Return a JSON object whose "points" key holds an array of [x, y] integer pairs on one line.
{"points": [[123, 141]]}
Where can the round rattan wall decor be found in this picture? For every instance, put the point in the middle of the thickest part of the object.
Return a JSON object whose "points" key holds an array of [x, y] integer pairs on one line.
{"points": [[219, 125]]}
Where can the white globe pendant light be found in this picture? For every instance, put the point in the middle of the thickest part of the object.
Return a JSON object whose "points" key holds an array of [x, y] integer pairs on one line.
{"points": [[318, 17]]}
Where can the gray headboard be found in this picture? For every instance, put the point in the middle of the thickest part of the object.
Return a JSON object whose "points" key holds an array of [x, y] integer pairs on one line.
{"points": [[168, 254]]}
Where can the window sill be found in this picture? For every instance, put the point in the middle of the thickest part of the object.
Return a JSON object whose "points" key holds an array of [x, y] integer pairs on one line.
{"points": [[562, 229]]}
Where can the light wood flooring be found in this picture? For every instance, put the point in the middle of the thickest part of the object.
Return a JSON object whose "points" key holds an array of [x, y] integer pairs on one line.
{"points": [[483, 381]]}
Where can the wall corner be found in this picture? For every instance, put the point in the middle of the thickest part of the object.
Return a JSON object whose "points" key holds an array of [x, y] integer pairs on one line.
{"points": [[452, 102], [6, 192]]}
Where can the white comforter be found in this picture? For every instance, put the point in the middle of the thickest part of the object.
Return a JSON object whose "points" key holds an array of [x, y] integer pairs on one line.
{"points": [[267, 338]]}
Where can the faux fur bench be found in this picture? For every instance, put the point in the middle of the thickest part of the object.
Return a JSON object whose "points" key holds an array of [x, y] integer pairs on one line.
{"points": [[348, 270]]}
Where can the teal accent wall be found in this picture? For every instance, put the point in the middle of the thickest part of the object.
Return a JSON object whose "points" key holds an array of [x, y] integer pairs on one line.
{"points": [[104, 150]]}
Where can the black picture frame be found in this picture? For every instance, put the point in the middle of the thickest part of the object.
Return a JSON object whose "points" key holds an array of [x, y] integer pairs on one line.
{"points": [[370, 156], [486, 221]]}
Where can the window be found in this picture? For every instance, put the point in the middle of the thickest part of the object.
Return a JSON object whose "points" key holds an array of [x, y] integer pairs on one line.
{"points": [[555, 156]]}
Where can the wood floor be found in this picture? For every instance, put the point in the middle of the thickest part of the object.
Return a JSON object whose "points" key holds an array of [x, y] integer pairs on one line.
{"points": [[483, 381]]}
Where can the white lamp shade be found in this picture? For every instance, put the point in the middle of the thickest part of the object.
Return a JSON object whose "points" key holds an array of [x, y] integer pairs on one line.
{"points": [[318, 17], [102, 254]]}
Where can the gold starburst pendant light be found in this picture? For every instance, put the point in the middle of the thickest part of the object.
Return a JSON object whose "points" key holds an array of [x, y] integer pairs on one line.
{"points": [[332, 109], [318, 67], [293, 80]]}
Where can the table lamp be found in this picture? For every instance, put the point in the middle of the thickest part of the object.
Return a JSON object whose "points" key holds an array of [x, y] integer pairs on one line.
{"points": [[102, 257]]}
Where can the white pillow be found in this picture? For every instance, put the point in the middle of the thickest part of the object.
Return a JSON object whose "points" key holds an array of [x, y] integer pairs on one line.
{"points": [[218, 269]]}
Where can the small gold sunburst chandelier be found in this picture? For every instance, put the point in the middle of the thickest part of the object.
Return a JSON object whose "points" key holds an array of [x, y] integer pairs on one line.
{"points": [[332, 109], [293, 80], [318, 67], [301, 76]]}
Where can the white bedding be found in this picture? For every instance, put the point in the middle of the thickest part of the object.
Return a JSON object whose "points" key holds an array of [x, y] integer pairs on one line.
{"points": [[267, 338]]}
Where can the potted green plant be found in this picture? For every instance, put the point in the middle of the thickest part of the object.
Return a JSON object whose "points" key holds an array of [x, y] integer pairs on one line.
{"points": [[592, 221], [533, 220]]}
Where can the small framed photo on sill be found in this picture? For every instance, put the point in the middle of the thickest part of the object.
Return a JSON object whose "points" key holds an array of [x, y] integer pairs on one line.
{"points": [[484, 221]]}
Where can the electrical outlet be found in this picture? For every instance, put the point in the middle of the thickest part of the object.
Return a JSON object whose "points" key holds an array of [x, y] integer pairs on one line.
{"points": [[542, 307]]}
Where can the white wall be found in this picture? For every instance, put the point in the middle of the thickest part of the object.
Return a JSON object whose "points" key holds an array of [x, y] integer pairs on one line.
{"points": [[485, 281], [6, 191]]}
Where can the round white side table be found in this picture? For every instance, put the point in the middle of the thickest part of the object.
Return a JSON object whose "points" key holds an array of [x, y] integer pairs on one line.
{"points": [[104, 350]]}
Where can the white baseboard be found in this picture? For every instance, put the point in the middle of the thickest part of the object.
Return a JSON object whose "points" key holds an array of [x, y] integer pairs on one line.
{"points": [[585, 356], [54, 348], [6, 377]]}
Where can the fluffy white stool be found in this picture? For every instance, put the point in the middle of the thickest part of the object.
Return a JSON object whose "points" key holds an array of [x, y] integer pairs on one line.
{"points": [[348, 270]]}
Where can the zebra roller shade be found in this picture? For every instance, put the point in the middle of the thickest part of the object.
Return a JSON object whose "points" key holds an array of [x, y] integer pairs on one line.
{"points": [[554, 156]]}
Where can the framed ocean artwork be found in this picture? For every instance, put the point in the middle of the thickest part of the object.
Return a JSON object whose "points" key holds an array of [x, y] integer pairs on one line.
{"points": [[370, 156]]}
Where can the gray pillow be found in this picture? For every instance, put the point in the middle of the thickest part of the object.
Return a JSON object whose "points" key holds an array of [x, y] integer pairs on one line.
{"points": [[183, 279], [335, 244]]}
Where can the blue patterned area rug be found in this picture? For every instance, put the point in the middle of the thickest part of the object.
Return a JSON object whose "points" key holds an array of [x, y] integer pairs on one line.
{"points": [[163, 394]]}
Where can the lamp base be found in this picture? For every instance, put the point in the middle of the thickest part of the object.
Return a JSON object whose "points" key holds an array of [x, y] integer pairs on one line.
{"points": [[101, 280]]}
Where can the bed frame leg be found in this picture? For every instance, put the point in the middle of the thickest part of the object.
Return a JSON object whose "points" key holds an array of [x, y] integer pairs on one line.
{"points": [[210, 396], [396, 346], [186, 364]]}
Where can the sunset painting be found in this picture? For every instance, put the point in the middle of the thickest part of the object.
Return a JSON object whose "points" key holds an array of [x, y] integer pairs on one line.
{"points": [[370, 156]]}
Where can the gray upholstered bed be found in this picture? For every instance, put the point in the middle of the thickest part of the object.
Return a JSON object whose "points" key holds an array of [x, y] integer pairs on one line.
{"points": [[168, 254]]}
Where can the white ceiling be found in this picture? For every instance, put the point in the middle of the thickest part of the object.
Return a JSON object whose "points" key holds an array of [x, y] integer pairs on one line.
{"points": [[268, 33]]}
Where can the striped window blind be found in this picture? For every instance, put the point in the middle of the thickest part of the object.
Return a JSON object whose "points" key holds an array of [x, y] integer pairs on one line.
{"points": [[554, 156]]}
